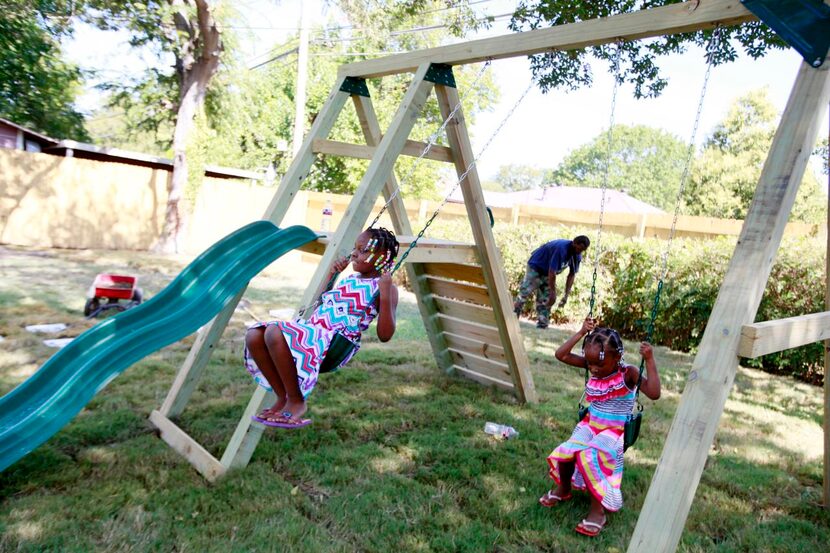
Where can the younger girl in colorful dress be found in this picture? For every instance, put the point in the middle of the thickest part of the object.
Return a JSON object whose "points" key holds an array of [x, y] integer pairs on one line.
{"points": [[285, 356], [592, 458]]}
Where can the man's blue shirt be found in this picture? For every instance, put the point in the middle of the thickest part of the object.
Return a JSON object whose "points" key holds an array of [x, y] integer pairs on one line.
{"points": [[554, 256]]}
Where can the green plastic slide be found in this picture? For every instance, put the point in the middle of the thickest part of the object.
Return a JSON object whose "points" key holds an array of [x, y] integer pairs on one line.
{"points": [[50, 398]]}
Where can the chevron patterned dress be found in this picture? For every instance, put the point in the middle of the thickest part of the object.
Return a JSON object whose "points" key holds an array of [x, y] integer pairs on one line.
{"points": [[347, 308], [596, 445]]}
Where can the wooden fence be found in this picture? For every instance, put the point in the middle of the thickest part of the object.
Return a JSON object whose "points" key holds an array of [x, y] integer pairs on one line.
{"points": [[50, 201]]}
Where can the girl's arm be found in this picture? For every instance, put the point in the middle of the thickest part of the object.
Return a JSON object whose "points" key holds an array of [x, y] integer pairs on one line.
{"points": [[651, 380], [564, 352], [336, 268], [387, 304]]}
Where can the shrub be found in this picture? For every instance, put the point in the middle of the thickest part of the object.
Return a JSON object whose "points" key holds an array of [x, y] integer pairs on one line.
{"points": [[626, 285]]}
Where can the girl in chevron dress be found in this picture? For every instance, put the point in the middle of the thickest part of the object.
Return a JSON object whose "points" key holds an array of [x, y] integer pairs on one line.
{"points": [[592, 458], [285, 356]]}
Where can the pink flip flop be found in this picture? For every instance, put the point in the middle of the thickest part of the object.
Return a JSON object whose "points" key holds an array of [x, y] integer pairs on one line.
{"points": [[284, 420]]}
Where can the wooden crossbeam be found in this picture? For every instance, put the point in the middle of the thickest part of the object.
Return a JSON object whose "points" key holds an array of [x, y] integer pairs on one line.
{"points": [[427, 251], [362, 151], [772, 336], [665, 20], [207, 465]]}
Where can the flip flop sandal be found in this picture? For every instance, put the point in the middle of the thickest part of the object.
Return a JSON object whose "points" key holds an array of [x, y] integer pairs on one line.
{"points": [[283, 420], [550, 499], [590, 529]]}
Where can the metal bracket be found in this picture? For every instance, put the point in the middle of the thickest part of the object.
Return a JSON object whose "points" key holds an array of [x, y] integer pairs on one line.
{"points": [[355, 86], [803, 24], [440, 73]]}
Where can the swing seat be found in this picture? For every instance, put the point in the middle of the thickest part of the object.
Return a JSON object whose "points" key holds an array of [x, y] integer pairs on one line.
{"points": [[631, 431], [632, 428], [339, 350]]}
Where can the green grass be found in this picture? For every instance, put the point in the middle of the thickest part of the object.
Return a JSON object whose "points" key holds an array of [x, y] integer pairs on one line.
{"points": [[396, 459]]}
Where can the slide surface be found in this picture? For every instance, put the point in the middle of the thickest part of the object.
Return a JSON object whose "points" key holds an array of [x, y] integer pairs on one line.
{"points": [[50, 398]]}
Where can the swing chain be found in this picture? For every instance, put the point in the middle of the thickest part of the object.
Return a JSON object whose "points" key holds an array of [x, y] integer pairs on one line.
{"points": [[710, 51], [431, 141], [616, 71], [461, 178]]}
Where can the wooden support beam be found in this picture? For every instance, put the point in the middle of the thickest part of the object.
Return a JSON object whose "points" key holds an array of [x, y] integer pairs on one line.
{"points": [[427, 251], [827, 362], [759, 339], [247, 434], [482, 333], [197, 359], [501, 383], [491, 263], [400, 221], [710, 379], [466, 311], [467, 273], [469, 345], [459, 290], [665, 20], [187, 447], [411, 148], [301, 165]]}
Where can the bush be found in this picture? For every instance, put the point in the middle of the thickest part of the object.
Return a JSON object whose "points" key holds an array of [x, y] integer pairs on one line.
{"points": [[627, 277]]}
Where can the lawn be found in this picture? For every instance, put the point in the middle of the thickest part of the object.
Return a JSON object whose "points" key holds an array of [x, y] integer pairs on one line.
{"points": [[396, 458]]}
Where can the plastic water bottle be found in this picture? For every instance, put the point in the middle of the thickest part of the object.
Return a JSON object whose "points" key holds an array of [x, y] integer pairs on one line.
{"points": [[328, 210], [500, 430]]}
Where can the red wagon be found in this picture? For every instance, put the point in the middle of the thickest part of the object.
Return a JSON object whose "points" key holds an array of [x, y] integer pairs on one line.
{"points": [[108, 290]]}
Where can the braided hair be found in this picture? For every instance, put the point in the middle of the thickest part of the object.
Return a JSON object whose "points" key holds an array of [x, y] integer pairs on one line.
{"points": [[384, 247], [604, 337]]}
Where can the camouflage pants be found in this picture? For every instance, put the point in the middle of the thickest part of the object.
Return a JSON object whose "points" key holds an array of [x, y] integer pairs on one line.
{"points": [[534, 282]]}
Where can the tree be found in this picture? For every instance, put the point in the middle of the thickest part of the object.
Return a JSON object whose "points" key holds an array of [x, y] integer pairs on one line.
{"points": [[37, 86], [250, 122], [515, 177], [638, 66], [724, 179], [645, 162]]}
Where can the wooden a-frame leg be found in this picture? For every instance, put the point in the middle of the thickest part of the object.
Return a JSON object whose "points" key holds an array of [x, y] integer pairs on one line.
{"points": [[710, 380], [491, 262], [247, 434], [400, 221], [191, 371]]}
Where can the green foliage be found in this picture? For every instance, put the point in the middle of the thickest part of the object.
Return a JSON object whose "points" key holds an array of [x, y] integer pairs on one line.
{"points": [[37, 86], [638, 60], [646, 162], [724, 178], [627, 280]]}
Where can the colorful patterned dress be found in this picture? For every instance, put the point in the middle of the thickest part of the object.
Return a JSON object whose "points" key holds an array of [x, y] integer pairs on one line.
{"points": [[348, 308], [596, 445]]}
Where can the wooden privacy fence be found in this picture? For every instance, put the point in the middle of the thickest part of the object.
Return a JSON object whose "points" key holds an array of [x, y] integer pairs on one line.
{"points": [[652, 225], [50, 201]]}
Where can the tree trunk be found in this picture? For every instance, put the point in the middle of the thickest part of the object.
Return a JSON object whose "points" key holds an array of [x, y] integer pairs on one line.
{"points": [[196, 63]]}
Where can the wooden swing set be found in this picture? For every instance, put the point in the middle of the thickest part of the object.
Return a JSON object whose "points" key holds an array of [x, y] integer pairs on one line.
{"points": [[461, 289]]}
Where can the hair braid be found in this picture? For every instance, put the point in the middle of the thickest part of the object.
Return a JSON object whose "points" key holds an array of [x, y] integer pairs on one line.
{"points": [[387, 247]]}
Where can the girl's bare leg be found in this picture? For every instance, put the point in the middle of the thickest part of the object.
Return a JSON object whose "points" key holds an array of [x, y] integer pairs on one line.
{"points": [[284, 363], [596, 513], [255, 340], [566, 472]]}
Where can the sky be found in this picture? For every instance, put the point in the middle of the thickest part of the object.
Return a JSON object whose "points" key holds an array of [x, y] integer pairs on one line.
{"points": [[545, 127]]}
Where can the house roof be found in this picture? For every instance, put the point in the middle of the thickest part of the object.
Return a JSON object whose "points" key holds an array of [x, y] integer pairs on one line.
{"points": [[102, 153], [29, 133], [565, 197]]}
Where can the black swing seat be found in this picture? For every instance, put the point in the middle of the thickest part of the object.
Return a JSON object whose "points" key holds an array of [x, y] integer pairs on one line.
{"points": [[339, 350]]}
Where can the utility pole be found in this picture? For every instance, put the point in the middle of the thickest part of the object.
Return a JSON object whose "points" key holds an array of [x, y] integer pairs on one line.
{"points": [[302, 77]]}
